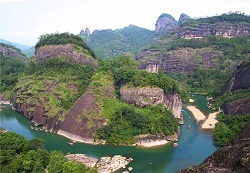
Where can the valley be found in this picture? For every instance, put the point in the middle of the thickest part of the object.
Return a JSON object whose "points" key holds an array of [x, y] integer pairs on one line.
{"points": [[130, 91]]}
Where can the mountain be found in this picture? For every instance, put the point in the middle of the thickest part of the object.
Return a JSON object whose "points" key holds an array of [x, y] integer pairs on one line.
{"points": [[128, 40], [112, 43], [68, 91], [202, 52], [27, 50], [165, 22], [12, 64]]}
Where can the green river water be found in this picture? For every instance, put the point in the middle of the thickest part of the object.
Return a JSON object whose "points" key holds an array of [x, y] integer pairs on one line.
{"points": [[194, 144]]}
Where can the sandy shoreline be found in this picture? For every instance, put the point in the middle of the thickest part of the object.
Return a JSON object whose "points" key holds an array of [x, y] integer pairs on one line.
{"points": [[76, 137], [198, 115], [208, 122], [152, 143], [141, 143]]}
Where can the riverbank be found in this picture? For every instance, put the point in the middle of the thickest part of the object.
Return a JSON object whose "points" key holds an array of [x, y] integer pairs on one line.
{"points": [[146, 141], [77, 138], [207, 122], [198, 115], [210, 121]]}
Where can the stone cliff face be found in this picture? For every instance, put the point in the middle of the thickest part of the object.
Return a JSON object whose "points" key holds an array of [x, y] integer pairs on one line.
{"points": [[164, 23], [182, 60], [237, 107], [223, 29], [69, 51], [233, 158], [240, 80], [146, 96], [10, 51]]}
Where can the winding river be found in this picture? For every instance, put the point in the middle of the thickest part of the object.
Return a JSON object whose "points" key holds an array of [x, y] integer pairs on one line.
{"points": [[194, 144]]}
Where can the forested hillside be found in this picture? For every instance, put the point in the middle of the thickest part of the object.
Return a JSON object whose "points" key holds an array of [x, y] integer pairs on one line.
{"points": [[201, 53], [112, 43]]}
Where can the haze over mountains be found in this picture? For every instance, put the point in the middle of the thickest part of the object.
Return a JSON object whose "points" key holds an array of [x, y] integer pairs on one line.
{"points": [[111, 43]]}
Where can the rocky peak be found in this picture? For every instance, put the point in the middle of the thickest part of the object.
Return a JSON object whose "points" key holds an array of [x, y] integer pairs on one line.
{"points": [[86, 31], [165, 22], [183, 18]]}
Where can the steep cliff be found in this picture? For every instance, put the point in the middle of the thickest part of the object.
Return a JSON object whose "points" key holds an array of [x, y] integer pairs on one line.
{"points": [[147, 96], [238, 88], [233, 158], [185, 60], [69, 51]]}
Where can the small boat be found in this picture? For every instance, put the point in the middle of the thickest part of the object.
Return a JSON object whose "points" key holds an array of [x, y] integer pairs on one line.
{"points": [[175, 144], [70, 142]]}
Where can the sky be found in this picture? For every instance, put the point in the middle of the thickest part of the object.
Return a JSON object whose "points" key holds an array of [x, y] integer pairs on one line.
{"points": [[23, 21]]}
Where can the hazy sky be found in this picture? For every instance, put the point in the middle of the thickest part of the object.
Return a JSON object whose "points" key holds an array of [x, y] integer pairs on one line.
{"points": [[23, 21]]}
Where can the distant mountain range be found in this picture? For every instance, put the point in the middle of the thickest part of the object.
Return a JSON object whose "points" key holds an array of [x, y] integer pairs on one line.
{"points": [[128, 40], [27, 50]]}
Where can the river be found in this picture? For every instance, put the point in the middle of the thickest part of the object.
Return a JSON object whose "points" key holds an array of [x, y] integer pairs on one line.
{"points": [[194, 143]]}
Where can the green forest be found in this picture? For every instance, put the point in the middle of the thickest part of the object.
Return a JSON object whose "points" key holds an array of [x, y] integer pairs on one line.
{"points": [[20, 155], [228, 127]]}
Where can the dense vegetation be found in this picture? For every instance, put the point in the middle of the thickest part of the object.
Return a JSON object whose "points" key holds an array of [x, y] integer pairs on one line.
{"points": [[232, 17], [12, 66], [62, 38], [20, 155], [228, 127], [126, 71], [125, 121], [112, 43], [54, 82], [128, 121]]}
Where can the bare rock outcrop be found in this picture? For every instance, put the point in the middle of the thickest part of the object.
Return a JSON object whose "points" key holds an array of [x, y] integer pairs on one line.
{"points": [[147, 96], [184, 60], [69, 51], [240, 80]]}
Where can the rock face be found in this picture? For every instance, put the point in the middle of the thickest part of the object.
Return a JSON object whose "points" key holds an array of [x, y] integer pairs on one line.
{"points": [[223, 29], [233, 158], [164, 23], [182, 60], [146, 96], [237, 107], [142, 97], [68, 51], [11, 51], [240, 80]]}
